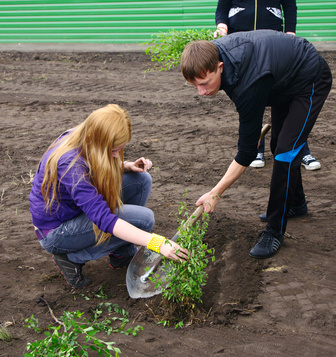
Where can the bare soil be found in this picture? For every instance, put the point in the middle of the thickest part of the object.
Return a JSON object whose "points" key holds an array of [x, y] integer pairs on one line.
{"points": [[283, 306]]}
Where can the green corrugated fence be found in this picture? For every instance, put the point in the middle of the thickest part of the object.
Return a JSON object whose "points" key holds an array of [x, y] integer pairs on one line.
{"points": [[317, 20], [125, 21]]}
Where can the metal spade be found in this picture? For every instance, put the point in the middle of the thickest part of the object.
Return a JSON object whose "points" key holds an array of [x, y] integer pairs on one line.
{"points": [[146, 262]]}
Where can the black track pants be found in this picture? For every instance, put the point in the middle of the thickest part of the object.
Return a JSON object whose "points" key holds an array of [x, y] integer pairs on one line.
{"points": [[291, 125]]}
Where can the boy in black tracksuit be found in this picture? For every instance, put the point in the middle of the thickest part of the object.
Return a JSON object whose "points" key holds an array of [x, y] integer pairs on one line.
{"points": [[258, 69]]}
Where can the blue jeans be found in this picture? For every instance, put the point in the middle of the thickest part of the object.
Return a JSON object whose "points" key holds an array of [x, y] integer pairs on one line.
{"points": [[76, 238]]}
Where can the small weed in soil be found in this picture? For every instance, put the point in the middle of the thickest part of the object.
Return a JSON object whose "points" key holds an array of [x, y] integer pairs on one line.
{"points": [[5, 335], [66, 339]]}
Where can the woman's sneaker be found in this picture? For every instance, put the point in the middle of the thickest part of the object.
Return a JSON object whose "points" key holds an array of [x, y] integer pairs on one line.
{"points": [[259, 161], [310, 163], [71, 271], [119, 261]]}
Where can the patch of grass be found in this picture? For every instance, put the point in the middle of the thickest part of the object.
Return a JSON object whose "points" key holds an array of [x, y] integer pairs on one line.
{"points": [[5, 335], [166, 47], [49, 278]]}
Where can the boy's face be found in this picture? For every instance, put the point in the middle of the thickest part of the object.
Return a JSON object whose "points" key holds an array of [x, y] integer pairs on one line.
{"points": [[210, 84]]}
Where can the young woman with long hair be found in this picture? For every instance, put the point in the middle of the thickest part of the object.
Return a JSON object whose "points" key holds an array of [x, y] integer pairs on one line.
{"points": [[86, 202]]}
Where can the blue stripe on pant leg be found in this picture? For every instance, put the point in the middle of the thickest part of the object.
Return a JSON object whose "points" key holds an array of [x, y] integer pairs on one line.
{"points": [[291, 155]]}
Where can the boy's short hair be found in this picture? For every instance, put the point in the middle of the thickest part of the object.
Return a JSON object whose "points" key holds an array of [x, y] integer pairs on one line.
{"points": [[198, 58]]}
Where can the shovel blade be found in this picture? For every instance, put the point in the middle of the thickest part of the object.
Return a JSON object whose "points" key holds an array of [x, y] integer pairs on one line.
{"points": [[137, 282], [146, 261]]}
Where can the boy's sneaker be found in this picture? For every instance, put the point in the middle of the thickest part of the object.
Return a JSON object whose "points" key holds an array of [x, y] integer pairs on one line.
{"points": [[71, 271], [269, 243], [294, 211], [310, 163], [119, 261], [298, 211], [259, 161]]}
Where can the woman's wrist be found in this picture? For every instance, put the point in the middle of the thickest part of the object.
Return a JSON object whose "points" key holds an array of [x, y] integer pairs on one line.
{"points": [[155, 242], [126, 166]]}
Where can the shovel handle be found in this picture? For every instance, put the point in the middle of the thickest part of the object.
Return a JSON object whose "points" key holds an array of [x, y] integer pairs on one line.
{"points": [[264, 130], [191, 220]]}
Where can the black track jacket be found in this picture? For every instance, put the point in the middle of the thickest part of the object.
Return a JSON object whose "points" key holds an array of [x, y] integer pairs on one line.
{"points": [[263, 68]]}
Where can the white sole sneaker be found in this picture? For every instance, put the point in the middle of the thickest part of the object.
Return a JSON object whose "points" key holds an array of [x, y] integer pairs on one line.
{"points": [[312, 166], [257, 163]]}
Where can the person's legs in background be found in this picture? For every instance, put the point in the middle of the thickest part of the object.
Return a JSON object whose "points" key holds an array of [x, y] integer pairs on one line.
{"points": [[308, 161], [259, 161]]}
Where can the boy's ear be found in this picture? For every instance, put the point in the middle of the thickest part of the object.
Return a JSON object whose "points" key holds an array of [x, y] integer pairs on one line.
{"points": [[220, 66]]}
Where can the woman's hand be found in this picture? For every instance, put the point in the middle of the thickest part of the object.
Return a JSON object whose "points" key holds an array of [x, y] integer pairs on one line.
{"points": [[152, 241], [173, 251], [140, 165]]}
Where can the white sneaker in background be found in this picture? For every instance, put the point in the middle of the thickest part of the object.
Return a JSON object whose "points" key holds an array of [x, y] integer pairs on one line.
{"points": [[259, 161], [310, 163]]}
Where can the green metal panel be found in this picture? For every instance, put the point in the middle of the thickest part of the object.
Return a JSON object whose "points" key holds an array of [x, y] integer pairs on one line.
{"points": [[317, 20], [127, 21], [99, 21]]}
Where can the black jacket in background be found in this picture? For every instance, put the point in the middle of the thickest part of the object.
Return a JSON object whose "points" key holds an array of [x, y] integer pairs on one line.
{"points": [[248, 15]]}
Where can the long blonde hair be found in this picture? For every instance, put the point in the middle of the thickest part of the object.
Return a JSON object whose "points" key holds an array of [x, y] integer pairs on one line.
{"points": [[105, 128]]}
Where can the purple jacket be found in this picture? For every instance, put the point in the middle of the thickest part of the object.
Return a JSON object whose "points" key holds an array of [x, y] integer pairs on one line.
{"points": [[76, 195]]}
